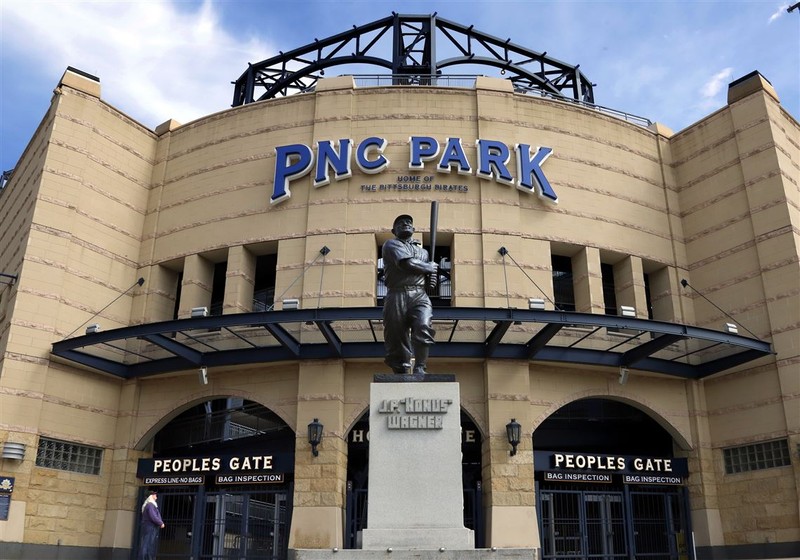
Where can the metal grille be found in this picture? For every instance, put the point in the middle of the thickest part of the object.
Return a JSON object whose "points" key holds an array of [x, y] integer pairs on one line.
{"points": [[613, 524], [657, 525], [757, 456], [235, 524], [66, 456]]}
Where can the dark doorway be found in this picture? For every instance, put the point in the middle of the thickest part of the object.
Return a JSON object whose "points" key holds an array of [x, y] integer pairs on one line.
{"points": [[615, 519], [215, 521]]}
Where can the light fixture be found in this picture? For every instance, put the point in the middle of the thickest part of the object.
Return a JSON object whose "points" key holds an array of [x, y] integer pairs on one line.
{"points": [[199, 311], [731, 328], [315, 435], [202, 375], [623, 375], [536, 304], [93, 328], [292, 303], [15, 451], [513, 432], [627, 311]]}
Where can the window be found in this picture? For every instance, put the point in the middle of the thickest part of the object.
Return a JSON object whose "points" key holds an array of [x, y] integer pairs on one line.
{"points": [[648, 296], [178, 290], [756, 456], [218, 288], [65, 456], [264, 287], [563, 288], [609, 290]]}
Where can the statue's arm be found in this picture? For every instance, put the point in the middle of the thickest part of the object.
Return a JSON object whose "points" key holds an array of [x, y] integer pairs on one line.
{"points": [[406, 261]]}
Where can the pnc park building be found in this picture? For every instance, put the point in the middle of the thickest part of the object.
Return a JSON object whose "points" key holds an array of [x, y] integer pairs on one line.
{"points": [[181, 308]]}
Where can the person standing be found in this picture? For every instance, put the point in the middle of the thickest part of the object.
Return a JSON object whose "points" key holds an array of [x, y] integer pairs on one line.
{"points": [[150, 527], [407, 309]]}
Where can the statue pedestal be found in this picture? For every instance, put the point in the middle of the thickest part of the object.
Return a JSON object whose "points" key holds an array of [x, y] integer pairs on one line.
{"points": [[416, 497], [415, 509]]}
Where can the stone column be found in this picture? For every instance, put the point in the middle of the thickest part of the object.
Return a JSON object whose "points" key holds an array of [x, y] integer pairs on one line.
{"points": [[706, 519], [588, 281], [508, 480], [155, 300], [629, 285], [319, 482], [198, 278], [239, 281]]}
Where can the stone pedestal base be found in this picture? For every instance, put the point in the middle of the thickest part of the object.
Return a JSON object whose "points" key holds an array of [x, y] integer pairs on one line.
{"points": [[474, 554], [418, 539]]}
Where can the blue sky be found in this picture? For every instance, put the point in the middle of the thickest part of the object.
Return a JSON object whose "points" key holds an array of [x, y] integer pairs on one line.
{"points": [[668, 61]]}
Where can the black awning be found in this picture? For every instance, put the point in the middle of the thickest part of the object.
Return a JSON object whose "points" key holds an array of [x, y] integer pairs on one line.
{"points": [[357, 332]]}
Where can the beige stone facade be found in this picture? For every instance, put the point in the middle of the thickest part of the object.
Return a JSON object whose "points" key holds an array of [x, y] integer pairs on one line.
{"points": [[98, 201]]}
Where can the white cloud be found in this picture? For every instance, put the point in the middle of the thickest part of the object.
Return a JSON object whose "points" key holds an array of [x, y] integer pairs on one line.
{"points": [[713, 86], [778, 13], [156, 59]]}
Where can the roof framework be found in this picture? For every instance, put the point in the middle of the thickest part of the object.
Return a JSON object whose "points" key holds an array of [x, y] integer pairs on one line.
{"points": [[462, 333], [406, 45]]}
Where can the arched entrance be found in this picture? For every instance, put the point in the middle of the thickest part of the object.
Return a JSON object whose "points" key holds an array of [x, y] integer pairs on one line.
{"points": [[609, 486], [358, 482], [224, 471]]}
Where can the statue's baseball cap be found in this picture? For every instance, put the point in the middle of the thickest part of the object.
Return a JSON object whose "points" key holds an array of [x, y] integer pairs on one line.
{"points": [[402, 217]]}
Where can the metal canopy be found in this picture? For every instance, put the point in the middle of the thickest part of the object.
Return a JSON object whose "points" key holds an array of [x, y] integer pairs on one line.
{"points": [[412, 59], [357, 333]]}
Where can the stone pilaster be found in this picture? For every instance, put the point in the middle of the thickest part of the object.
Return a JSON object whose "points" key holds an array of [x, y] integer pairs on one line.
{"points": [[239, 281], [508, 480], [198, 278], [588, 281], [319, 491]]}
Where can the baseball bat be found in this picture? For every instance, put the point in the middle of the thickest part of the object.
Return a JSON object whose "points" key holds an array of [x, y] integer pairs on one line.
{"points": [[434, 227]]}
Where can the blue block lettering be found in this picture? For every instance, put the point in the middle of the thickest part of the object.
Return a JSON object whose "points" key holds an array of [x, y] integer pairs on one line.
{"points": [[291, 162], [328, 158], [454, 155], [423, 148], [530, 174], [493, 159], [372, 144]]}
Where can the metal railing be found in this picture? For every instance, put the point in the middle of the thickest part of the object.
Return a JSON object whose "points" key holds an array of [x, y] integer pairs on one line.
{"points": [[382, 80], [468, 82]]}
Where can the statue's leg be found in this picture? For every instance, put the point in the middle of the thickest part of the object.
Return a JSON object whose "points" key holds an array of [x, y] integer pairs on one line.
{"points": [[396, 338], [422, 333]]}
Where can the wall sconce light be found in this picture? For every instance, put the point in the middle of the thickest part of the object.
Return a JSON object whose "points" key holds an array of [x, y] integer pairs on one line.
{"points": [[514, 433], [315, 435], [202, 375], [199, 312], [731, 328], [536, 304], [292, 303], [15, 451], [93, 328], [623, 375], [627, 311]]}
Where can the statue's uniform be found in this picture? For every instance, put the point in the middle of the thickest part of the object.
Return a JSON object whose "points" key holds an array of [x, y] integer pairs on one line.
{"points": [[407, 310]]}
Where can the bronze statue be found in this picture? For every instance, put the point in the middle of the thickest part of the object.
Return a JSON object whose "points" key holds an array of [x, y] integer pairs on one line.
{"points": [[407, 309]]}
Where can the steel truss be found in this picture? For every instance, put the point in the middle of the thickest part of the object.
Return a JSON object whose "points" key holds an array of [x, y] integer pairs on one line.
{"points": [[413, 59]]}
